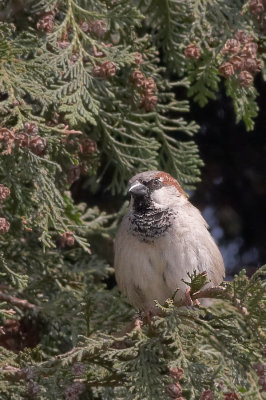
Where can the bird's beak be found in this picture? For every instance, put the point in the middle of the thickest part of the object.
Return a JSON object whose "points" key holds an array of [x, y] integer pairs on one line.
{"points": [[138, 189]]}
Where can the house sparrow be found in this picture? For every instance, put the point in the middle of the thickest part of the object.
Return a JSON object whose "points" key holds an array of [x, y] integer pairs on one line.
{"points": [[162, 238]]}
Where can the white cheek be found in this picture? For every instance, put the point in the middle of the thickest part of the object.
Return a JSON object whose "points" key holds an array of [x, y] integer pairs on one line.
{"points": [[168, 196], [159, 196]]}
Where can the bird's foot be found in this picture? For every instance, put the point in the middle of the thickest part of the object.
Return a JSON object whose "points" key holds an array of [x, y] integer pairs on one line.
{"points": [[138, 321], [146, 317]]}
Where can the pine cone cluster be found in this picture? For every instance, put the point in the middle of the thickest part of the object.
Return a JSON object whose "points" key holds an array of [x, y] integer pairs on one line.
{"points": [[74, 58], [87, 146], [84, 26], [150, 85], [63, 43], [174, 390], [231, 396], [257, 9], [4, 225], [37, 146], [29, 138], [7, 138], [232, 46], [30, 128], [74, 174], [46, 21], [32, 388], [76, 171], [240, 53], [149, 102], [26, 373], [245, 79], [138, 78], [138, 59], [176, 373], [74, 390], [227, 69], [97, 28], [67, 239], [207, 395], [4, 192], [192, 51], [78, 369], [147, 87], [261, 372], [83, 150], [105, 70]]}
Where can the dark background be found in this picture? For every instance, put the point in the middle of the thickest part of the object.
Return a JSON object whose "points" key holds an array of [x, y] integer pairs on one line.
{"points": [[232, 193]]}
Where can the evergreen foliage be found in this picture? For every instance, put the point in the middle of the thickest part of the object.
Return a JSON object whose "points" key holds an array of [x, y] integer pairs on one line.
{"points": [[85, 92], [208, 25]]}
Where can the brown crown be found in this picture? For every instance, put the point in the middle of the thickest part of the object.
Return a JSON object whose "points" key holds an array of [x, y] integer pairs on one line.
{"points": [[168, 180]]}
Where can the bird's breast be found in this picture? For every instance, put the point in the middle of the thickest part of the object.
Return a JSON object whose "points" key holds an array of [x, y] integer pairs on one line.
{"points": [[150, 225]]}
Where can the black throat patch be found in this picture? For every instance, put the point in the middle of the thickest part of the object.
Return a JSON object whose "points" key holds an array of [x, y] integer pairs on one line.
{"points": [[147, 222]]}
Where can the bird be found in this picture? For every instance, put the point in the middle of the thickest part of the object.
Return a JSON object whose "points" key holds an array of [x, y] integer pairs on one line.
{"points": [[161, 239]]}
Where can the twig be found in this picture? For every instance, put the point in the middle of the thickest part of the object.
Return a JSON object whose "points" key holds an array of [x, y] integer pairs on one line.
{"points": [[15, 301], [12, 374], [215, 292], [218, 292], [136, 324]]}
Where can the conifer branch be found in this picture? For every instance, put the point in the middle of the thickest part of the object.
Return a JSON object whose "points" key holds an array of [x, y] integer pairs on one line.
{"points": [[15, 301], [87, 98]]}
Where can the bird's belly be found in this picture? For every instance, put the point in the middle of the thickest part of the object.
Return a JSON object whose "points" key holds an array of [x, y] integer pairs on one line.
{"points": [[150, 274]]}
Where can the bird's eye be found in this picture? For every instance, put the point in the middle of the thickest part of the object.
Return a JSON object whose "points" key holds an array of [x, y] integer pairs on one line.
{"points": [[154, 184], [157, 182]]}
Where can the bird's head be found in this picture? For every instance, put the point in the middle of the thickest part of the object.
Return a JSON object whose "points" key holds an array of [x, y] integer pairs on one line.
{"points": [[155, 189]]}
